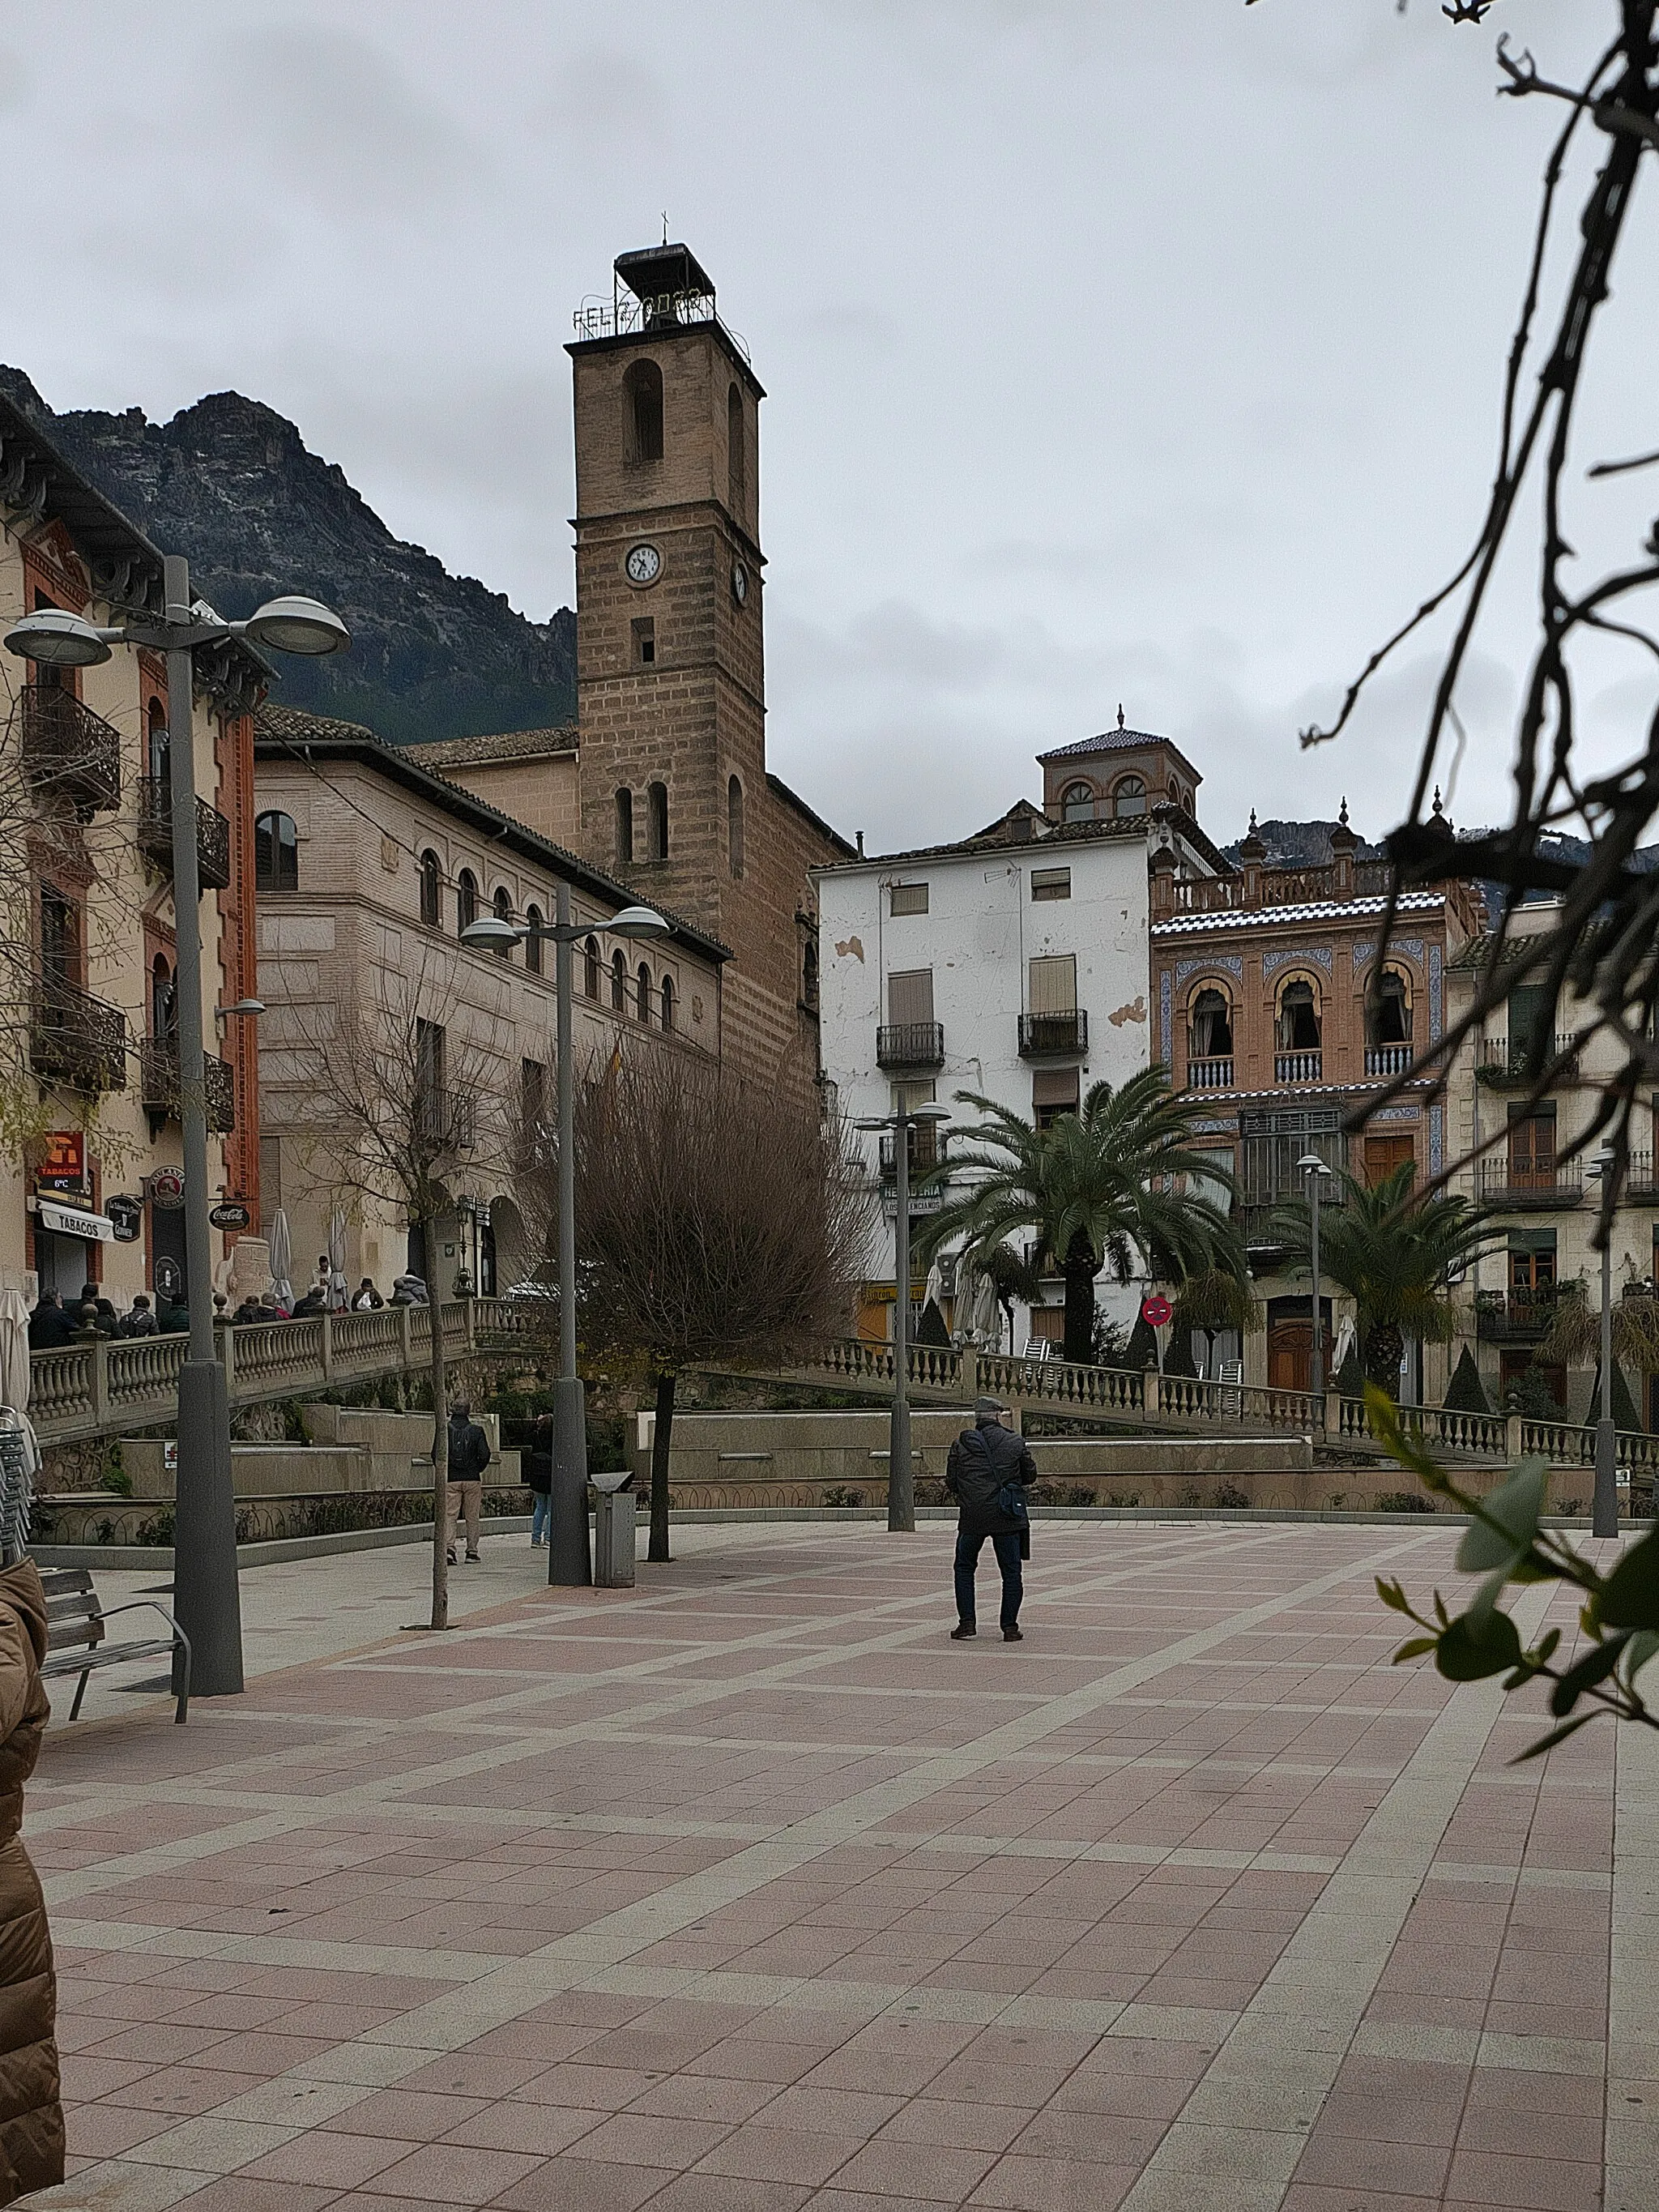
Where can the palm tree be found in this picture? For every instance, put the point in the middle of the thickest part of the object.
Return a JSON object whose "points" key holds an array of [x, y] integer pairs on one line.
{"points": [[1120, 1180], [1395, 1255]]}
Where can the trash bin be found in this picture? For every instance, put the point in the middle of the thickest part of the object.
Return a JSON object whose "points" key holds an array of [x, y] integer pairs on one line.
{"points": [[613, 1532]]}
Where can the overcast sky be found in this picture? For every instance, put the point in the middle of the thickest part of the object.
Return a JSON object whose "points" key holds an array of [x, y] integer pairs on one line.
{"points": [[1144, 350]]}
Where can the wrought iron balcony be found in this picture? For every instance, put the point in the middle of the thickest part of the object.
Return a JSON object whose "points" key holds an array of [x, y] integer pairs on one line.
{"points": [[76, 1039], [1503, 1065], [1388, 1058], [158, 1059], [1518, 1317], [1214, 1073], [70, 752], [910, 1044], [1514, 1184], [1054, 1036], [446, 1119], [155, 833], [1641, 1184], [1298, 1066], [926, 1150]]}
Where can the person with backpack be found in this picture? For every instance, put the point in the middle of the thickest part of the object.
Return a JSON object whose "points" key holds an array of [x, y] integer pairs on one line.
{"points": [[139, 1321], [987, 1473], [538, 1477], [469, 1456]]}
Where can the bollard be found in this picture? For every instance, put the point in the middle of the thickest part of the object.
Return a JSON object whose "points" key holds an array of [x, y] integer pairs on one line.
{"points": [[613, 1533]]}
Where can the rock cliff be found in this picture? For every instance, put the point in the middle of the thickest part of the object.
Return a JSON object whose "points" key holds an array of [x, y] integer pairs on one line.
{"points": [[230, 483]]}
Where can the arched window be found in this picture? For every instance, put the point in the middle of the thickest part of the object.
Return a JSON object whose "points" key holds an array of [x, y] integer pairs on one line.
{"points": [[656, 817], [1077, 803], [1129, 796], [809, 974], [467, 900], [642, 402], [668, 1006], [624, 827], [734, 826], [1298, 1017], [619, 982], [1390, 1011], [736, 466], [1213, 1027], [502, 904], [156, 765], [643, 999], [532, 943], [163, 1000], [432, 886], [591, 968], [276, 854]]}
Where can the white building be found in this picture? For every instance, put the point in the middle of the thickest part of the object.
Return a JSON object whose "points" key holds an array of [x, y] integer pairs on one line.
{"points": [[1012, 964]]}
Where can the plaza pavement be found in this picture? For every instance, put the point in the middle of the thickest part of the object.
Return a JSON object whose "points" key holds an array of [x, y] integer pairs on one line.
{"points": [[748, 1891]]}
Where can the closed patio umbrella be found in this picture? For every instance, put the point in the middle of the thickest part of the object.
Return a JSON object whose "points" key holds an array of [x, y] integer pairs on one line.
{"points": [[14, 1350], [281, 1258]]}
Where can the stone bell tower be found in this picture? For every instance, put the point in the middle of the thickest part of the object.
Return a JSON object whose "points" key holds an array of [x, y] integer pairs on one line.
{"points": [[675, 797]]}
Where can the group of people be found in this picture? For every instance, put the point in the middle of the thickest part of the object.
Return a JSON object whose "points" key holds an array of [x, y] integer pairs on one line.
{"points": [[53, 1324]]}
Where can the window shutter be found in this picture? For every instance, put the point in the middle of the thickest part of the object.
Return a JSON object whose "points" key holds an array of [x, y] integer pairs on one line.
{"points": [[1053, 984], [910, 996], [1054, 1086]]}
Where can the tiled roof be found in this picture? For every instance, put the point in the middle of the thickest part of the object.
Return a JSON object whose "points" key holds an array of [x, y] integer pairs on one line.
{"points": [[1109, 741], [504, 745], [997, 840], [1199, 924]]}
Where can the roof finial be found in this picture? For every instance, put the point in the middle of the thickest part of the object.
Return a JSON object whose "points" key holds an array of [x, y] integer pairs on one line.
{"points": [[1120, 713], [1343, 816], [1253, 821], [664, 226], [1436, 799]]}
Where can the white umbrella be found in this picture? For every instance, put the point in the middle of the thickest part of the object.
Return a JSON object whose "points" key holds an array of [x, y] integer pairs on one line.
{"points": [[336, 1281], [14, 1350], [281, 1257]]}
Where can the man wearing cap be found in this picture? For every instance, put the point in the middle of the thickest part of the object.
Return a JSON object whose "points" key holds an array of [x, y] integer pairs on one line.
{"points": [[986, 1474]]}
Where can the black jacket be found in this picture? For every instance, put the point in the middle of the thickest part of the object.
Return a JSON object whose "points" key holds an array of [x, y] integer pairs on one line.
{"points": [[49, 1326], [982, 1460], [469, 1451]]}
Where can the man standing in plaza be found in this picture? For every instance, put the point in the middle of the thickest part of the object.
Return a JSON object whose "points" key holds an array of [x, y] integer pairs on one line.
{"points": [[986, 1474], [469, 1456]]}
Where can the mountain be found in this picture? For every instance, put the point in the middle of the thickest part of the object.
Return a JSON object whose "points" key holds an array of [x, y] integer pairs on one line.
{"points": [[230, 483], [1298, 845]]}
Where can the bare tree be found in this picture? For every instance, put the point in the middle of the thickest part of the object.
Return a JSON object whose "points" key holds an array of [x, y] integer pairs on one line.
{"points": [[715, 1221], [399, 1104]]}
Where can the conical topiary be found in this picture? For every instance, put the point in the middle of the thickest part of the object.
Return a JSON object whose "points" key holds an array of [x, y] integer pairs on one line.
{"points": [[1351, 1376], [1142, 1351], [1624, 1415], [1466, 1394]]}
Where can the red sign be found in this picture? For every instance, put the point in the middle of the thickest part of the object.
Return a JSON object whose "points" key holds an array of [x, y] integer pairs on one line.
{"points": [[166, 1188], [1156, 1310], [63, 1163]]}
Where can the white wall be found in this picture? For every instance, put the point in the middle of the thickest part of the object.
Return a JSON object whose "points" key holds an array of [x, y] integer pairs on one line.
{"points": [[981, 929]]}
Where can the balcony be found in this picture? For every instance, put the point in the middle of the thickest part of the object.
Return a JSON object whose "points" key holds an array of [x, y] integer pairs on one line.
{"points": [[1517, 1316], [1641, 1184], [1054, 1036], [910, 1044], [1388, 1058], [1298, 1066], [1516, 1185], [75, 1039], [1213, 1074], [1503, 1066], [156, 834], [70, 752], [158, 1060], [927, 1150], [447, 1120]]}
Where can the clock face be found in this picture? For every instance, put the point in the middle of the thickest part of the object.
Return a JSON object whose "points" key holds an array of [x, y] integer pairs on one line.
{"points": [[643, 564], [739, 582]]}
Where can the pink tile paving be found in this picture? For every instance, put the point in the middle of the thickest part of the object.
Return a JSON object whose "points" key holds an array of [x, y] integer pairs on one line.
{"points": [[749, 1889]]}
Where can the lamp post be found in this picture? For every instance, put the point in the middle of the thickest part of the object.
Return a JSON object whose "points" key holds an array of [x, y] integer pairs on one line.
{"points": [[900, 1488], [1312, 1169], [568, 1563], [205, 1594], [1604, 1510]]}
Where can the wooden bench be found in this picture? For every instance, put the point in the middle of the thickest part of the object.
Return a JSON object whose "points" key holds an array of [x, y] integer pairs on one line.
{"points": [[76, 1642]]}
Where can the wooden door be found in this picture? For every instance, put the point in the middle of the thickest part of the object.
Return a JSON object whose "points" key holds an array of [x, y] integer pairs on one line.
{"points": [[1289, 1354], [1384, 1155], [1532, 1152]]}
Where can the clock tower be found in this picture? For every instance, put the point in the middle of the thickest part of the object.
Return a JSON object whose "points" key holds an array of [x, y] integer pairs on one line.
{"points": [[674, 793]]}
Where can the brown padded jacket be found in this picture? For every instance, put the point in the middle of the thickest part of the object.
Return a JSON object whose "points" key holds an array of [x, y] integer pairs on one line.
{"points": [[31, 2116]]}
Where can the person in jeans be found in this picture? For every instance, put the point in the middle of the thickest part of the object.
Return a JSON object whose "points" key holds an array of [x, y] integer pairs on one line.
{"points": [[469, 1456], [539, 1475], [986, 1474]]}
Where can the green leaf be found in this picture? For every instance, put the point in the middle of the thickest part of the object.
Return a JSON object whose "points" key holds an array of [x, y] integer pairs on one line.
{"points": [[1473, 1647], [1393, 1594], [1541, 1652], [1595, 1667], [1630, 1598], [1515, 1505], [1642, 1647], [1415, 1648], [1548, 1743]]}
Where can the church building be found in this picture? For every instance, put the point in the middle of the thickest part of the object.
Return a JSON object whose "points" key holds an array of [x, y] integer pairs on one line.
{"points": [[663, 782]]}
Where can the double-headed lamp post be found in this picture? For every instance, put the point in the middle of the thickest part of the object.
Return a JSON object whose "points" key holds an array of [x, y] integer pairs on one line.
{"points": [[1604, 1507], [1312, 1170], [567, 1561], [900, 1487], [205, 1594]]}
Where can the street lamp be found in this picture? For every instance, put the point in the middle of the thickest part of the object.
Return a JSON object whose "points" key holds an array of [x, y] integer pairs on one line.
{"points": [[568, 1563], [1604, 1511], [901, 1489], [1311, 1168], [205, 1594]]}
